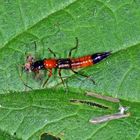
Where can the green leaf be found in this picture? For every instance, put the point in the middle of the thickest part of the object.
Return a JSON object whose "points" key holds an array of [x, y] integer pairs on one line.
{"points": [[100, 26], [28, 116]]}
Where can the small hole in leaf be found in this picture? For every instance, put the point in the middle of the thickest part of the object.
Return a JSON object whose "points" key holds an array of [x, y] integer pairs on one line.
{"points": [[46, 136], [15, 133]]}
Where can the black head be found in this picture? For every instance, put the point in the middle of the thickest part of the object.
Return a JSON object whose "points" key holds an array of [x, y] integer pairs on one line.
{"points": [[38, 65]]}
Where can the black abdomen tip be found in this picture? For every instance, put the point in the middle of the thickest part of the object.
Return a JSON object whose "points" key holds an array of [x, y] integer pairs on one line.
{"points": [[97, 57]]}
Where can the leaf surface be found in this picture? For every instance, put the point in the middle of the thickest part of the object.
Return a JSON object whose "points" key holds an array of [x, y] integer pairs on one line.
{"points": [[99, 26]]}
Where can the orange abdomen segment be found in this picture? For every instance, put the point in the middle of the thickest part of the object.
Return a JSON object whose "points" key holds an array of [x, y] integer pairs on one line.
{"points": [[50, 63], [81, 62]]}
